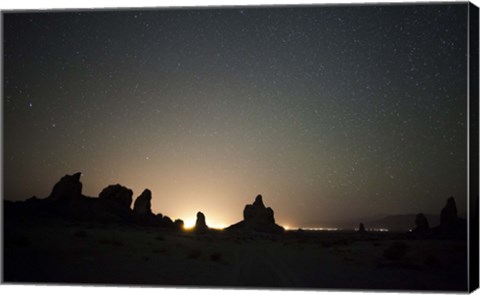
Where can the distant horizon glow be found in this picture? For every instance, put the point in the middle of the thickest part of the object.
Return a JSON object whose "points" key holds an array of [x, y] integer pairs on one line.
{"points": [[189, 223]]}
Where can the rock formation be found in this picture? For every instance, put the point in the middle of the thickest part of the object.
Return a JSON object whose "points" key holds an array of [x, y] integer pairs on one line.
{"points": [[68, 188], [179, 224], [113, 205], [257, 217], [200, 224], [421, 224], [448, 215], [117, 196], [166, 221], [155, 220], [142, 205], [361, 228], [451, 226], [257, 213]]}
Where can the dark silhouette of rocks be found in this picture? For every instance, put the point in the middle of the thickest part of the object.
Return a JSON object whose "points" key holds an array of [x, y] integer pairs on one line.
{"points": [[451, 226], [33, 199], [117, 196], [421, 224], [257, 217], [112, 206], [142, 205], [200, 224], [448, 215], [34, 203], [167, 219], [179, 224], [142, 211], [166, 222], [361, 228], [65, 200], [67, 188], [257, 213]]}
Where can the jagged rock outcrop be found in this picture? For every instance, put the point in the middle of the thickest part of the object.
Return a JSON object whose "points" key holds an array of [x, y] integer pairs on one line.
{"points": [[448, 215], [143, 205], [113, 205], [35, 203], [200, 224], [361, 228], [67, 188], [257, 213], [32, 199], [166, 222], [451, 226], [421, 224], [257, 217], [117, 196], [179, 224]]}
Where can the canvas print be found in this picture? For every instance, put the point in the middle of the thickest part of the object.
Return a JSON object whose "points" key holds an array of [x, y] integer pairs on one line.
{"points": [[324, 147]]}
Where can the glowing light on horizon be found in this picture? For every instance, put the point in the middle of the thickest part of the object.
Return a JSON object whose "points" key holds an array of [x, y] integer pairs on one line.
{"points": [[378, 229], [289, 227], [217, 226], [321, 228], [189, 223]]}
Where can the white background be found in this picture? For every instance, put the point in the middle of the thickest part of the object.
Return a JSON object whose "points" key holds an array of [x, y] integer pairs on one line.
{"points": [[62, 290]]}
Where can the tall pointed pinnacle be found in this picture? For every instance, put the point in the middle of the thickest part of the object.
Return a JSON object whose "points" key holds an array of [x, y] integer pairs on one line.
{"points": [[258, 202], [448, 214]]}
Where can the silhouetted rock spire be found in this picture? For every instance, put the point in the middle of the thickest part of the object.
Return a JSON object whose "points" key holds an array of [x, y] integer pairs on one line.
{"points": [[67, 188], [200, 224], [112, 205], [448, 215], [117, 196], [421, 224], [142, 205], [257, 213], [258, 202], [361, 228], [451, 226], [179, 224], [258, 218]]}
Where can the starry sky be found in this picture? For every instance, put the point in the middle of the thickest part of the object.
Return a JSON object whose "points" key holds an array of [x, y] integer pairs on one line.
{"points": [[329, 112]]}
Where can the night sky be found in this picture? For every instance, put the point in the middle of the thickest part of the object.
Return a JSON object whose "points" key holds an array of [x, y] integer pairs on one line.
{"points": [[329, 112]]}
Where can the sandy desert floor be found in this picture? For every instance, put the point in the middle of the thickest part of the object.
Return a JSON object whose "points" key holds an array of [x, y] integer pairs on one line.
{"points": [[48, 251]]}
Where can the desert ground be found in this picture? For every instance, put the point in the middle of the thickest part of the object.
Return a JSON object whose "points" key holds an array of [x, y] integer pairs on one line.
{"points": [[54, 251]]}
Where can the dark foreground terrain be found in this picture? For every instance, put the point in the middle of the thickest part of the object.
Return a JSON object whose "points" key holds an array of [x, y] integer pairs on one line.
{"points": [[58, 251]]}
